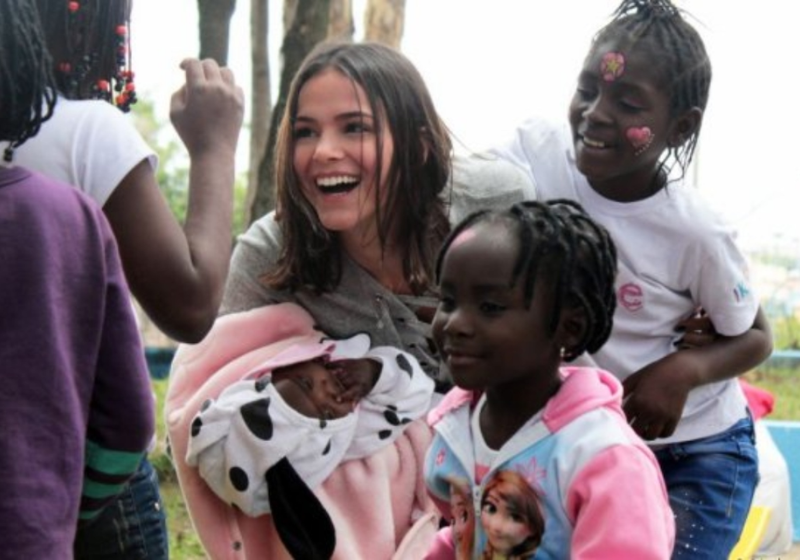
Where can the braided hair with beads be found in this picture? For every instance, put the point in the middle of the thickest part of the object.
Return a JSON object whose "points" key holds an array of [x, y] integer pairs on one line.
{"points": [[677, 50], [27, 96], [560, 244], [89, 41]]}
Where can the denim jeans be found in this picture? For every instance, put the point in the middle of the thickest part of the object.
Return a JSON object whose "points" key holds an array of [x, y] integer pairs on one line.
{"points": [[710, 482], [132, 527]]}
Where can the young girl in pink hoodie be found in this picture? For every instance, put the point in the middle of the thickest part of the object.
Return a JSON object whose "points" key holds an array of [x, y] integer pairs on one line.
{"points": [[522, 291]]}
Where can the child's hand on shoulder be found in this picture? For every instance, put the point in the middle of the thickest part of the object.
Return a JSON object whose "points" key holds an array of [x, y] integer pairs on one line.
{"points": [[655, 395]]}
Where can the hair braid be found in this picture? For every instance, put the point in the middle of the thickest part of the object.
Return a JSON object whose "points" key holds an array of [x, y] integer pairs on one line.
{"points": [[27, 96], [90, 45]]}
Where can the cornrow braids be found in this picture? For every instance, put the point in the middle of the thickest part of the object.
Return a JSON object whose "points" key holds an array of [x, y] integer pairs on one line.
{"points": [[558, 243], [675, 44], [89, 41], [27, 95]]}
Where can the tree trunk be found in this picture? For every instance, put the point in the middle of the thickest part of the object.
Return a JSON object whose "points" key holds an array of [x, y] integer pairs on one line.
{"points": [[309, 27], [261, 96], [341, 26], [215, 20], [383, 21], [289, 9]]}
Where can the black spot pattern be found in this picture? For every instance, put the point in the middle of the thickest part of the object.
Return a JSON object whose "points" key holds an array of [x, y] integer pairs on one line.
{"points": [[206, 404], [405, 365], [261, 384], [391, 416], [327, 448], [256, 417], [239, 479], [197, 423]]}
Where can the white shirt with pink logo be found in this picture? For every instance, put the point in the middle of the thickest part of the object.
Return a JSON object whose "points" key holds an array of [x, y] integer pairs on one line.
{"points": [[674, 254]]}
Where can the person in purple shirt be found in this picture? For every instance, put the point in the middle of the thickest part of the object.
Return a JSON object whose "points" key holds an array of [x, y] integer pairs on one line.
{"points": [[76, 406]]}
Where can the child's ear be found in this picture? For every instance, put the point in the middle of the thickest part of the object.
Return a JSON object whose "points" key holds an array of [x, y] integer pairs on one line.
{"points": [[685, 126], [571, 330]]}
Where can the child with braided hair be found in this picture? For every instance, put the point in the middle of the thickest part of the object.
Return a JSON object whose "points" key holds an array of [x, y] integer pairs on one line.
{"points": [[177, 273], [521, 291], [634, 123], [76, 405]]}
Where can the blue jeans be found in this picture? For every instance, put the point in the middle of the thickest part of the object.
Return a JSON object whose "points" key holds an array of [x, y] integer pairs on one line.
{"points": [[710, 482], [132, 527]]}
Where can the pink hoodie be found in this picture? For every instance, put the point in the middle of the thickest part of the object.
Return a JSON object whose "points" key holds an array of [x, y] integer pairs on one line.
{"points": [[602, 491]]}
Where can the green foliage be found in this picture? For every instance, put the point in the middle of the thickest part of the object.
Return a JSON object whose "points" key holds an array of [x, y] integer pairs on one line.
{"points": [[785, 333], [183, 541], [775, 258], [782, 383], [173, 165]]}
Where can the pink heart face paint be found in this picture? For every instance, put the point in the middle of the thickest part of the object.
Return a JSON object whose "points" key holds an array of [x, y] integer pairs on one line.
{"points": [[612, 66], [640, 138]]}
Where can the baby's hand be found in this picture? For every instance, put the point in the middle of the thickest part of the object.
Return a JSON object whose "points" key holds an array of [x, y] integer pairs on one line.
{"points": [[358, 377], [312, 389]]}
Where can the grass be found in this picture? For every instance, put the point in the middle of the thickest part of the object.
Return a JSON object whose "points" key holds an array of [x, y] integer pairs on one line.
{"points": [[781, 381], [183, 541]]}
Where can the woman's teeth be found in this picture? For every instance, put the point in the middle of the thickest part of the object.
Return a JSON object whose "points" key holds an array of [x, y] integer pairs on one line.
{"points": [[336, 184]]}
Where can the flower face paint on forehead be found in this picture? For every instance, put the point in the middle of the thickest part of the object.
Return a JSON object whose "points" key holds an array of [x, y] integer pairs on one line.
{"points": [[612, 66]]}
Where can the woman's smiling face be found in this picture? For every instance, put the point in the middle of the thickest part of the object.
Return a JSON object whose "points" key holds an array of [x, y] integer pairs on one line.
{"points": [[336, 153]]}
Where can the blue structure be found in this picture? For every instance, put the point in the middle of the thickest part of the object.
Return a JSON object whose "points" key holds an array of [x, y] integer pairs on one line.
{"points": [[159, 361], [787, 437]]}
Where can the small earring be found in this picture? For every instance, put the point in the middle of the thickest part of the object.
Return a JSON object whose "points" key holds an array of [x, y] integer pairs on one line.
{"points": [[562, 352]]}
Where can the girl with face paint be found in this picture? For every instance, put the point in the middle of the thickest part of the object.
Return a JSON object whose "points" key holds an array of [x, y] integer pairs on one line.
{"points": [[634, 122]]}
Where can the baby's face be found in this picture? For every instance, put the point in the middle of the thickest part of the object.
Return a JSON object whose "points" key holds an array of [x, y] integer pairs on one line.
{"points": [[312, 389]]}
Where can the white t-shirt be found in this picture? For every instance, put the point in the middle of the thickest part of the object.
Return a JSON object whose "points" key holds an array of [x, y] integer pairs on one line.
{"points": [[86, 143], [674, 254]]}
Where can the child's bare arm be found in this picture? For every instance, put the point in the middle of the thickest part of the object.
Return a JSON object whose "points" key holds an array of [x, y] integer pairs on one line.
{"points": [[178, 273], [656, 394]]}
